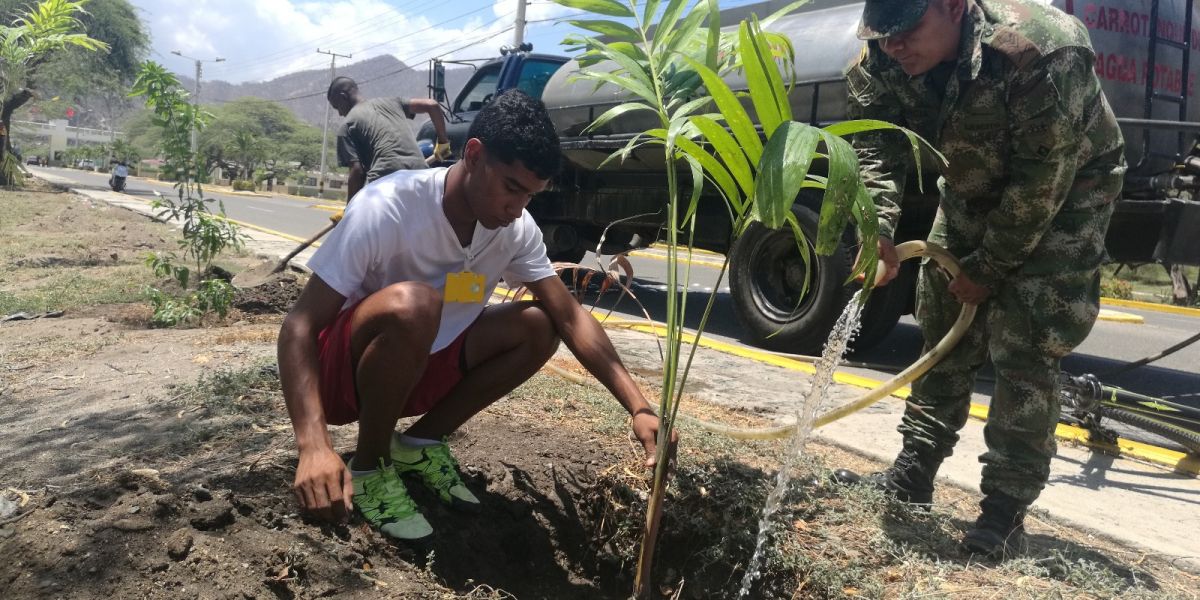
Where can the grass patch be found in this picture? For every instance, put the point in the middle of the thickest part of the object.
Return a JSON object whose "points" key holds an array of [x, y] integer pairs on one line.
{"points": [[1148, 282], [71, 288], [252, 391]]}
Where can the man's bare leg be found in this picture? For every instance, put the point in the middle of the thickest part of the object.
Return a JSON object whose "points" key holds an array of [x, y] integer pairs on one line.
{"points": [[504, 348], [391, 335]]}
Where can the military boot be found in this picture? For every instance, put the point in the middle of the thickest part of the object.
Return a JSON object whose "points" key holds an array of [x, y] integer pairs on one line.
{"points": [[1000, 530], [909, 479]]}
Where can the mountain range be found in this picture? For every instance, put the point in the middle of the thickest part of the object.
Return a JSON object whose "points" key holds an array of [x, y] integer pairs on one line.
{"points": [[304, 91]]}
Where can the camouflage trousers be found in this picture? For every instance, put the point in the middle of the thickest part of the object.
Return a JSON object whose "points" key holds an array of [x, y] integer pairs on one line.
{"points": [[1026, 327]]}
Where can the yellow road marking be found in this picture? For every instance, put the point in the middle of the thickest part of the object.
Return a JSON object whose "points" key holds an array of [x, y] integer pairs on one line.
{"points": [[1167, 308], [328, 207], [682, 258], [1120, 317], [270, 231]]}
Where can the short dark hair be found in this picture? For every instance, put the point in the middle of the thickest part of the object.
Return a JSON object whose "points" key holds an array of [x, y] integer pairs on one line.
{"points": [[340, 84], [516, 126]]}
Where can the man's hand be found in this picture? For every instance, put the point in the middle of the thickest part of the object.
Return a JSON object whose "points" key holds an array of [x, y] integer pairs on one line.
{"points": [[441, 151], [889, 263], [967, 291], [323, 485], [645, 429], [337, 216]]}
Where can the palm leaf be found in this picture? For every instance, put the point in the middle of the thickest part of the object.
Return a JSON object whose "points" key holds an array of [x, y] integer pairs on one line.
{"points": [[783, 171], [604, 7], [733, 111]]}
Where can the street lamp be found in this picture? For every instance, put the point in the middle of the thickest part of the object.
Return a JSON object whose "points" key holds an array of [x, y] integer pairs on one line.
{"points": [[195, 140]]}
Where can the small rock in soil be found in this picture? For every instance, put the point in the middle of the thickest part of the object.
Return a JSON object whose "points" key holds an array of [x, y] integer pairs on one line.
{"points": [[179, 544], [213, 516], [132, 524], [202, 494]]}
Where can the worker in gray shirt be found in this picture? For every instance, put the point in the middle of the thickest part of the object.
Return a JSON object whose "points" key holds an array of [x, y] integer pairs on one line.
{"points": [[376, 138]]}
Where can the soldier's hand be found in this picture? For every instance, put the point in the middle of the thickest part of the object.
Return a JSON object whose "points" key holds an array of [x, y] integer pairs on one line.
{"points": [[441, 151], [337, 216], [889, 262], [967, 291]]}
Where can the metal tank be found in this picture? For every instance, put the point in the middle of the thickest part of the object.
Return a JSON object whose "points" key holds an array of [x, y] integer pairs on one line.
{"points": [[823, 34]]}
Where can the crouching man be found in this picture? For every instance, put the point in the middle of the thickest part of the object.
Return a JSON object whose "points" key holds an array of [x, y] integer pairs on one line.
{"points": [[395, 323]]}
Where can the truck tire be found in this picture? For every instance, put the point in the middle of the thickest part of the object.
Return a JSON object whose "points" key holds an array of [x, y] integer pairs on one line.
{"points": [[766, 277], [574, 255], [885, 307]]}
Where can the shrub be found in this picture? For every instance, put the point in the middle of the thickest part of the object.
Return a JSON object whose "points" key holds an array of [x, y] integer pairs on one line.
{"points": [[244, 185], [1112, 287]]}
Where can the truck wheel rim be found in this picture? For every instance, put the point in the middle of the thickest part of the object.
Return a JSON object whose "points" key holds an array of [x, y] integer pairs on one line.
{"points": [[777, 274]]}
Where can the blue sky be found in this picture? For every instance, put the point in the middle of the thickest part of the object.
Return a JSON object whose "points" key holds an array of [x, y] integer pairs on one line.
{"points": [[263, 39]]}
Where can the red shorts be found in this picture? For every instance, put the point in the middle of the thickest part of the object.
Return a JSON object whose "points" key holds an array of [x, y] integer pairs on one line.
{"points": [[339, 396]]}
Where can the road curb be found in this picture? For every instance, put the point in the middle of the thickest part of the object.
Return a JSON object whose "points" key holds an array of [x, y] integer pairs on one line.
{"points": [[1138, 304], [1120, 317]]}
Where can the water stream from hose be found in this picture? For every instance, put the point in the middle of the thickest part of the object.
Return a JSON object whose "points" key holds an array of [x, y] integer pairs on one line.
{"points": [[835, 348]]}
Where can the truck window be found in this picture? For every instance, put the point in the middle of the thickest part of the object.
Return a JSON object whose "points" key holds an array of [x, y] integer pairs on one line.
{"points": [[535, 74], [481, 90]]}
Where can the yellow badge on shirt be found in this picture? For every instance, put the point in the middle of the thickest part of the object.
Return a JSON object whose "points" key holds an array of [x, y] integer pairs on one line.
{"points": [[465, 286]]}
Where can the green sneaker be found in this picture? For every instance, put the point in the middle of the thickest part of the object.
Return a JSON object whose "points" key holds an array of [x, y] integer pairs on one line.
{"points": [[382, 499], [438, 471]]}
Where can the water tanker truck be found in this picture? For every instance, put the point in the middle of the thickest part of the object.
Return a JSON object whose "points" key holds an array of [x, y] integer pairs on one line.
{"points": [[1143, 57]]}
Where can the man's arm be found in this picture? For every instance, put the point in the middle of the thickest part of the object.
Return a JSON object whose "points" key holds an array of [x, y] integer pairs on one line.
{"points": [[347, 154], [590, 344], [1046, 120], [355, 181], [883, 156], [322, 482], [430, 107]]}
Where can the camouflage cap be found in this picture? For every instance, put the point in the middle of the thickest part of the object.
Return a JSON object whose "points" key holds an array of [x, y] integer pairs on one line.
{"points": [[882, 18]]}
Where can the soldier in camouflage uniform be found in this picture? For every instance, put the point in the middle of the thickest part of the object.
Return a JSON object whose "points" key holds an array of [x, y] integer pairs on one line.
{"points": [[1005, 89]]}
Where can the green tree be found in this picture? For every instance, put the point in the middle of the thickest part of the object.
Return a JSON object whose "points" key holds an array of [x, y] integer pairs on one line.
{"points": [[93, 83], [25, 46], [206, 232], [249, 132]]}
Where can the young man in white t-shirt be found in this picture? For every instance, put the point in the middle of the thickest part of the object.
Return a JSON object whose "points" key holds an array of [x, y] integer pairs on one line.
{"points": [[395, 322]]}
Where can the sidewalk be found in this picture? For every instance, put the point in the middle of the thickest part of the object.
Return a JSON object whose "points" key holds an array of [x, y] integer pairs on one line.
{"points": [[1140, 505]]}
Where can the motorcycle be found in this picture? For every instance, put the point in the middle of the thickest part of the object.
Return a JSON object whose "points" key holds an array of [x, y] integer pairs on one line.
{"points": [[117, 180]]}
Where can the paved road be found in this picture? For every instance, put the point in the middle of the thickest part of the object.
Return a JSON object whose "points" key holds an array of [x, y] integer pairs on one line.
{"points": [[286, 214], [1110, 345]]}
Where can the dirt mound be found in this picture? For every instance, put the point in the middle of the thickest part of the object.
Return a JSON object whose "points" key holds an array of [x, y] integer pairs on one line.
{"points": [[276, 296]]}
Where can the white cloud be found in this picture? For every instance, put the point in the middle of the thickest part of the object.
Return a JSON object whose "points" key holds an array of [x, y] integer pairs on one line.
{"points": [[263, 39]]}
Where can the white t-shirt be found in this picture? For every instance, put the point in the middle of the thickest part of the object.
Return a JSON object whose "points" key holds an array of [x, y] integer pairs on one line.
{"points": [[396, 230]]}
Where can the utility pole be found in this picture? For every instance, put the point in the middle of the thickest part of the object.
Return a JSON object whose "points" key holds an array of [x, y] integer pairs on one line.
{"points": [[333, 56], [196, 94], [519, 29]]}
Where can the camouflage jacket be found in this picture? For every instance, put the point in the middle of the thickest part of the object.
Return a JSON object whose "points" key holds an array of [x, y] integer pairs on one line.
{"points": [[1035, 156]]}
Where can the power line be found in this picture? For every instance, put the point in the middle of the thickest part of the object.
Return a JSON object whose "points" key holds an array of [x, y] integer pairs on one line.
{"points": [[410, 34]]}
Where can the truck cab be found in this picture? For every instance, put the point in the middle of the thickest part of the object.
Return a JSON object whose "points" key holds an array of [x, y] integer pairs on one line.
{"points": [[518, 68]]}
